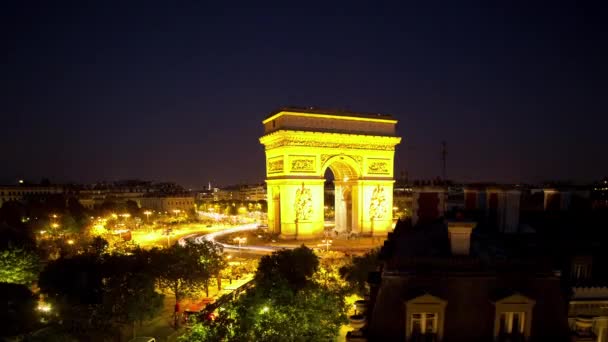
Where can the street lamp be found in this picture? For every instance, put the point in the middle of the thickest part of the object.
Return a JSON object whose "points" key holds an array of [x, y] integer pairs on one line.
{"points": [[168, 233], [147, 213], [326, 243]]}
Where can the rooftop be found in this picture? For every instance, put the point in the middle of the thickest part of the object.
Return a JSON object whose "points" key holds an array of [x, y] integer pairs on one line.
{"points": [[329, 112]]}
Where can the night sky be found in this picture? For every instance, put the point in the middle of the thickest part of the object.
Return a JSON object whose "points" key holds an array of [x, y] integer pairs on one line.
{"points": [[177, 91]]}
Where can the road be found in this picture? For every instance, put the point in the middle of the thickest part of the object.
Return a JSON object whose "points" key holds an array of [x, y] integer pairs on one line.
{"points": [[198, 238]]}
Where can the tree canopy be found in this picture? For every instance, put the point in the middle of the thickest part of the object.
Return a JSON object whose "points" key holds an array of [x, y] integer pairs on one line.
{"points": [[285, 304], [18, 266]]}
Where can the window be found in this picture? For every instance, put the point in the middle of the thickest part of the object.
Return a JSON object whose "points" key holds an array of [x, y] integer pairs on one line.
{"points": [[511, 323], [424, 323], [425, 316], [513, 318], [580, 271]]}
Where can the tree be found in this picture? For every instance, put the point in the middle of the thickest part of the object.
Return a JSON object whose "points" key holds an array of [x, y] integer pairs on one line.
{"points": [[130, 298], [185, 269], [98, 245], [18, 266], [210, 262], [357, 273], [17, 310], [295, 266], [328, 274], [133, 209], [77, 211], [73, 281], [284, 305]]}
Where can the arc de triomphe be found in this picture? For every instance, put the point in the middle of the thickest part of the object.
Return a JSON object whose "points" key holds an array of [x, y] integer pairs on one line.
{"points": [[359, 150]]}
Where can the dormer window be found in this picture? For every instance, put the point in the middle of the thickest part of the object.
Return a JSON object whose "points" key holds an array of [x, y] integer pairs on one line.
{"points": [[513, 318], [511, 323], [424, 323], [581, 268], [425, 316]]}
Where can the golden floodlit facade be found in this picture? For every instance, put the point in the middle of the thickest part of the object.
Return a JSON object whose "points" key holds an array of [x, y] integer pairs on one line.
{"points": [[359, 150]]}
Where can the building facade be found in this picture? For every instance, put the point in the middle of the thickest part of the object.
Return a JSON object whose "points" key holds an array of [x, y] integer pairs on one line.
{"points": [[436, 283], [21, 192], [167, 204]]}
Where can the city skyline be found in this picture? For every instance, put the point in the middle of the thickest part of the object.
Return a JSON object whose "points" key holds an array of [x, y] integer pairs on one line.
{"points": [[179, 93]]}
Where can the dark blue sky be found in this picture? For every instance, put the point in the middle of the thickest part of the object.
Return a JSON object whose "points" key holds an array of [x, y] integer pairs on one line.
{"points": [[164, 91]]}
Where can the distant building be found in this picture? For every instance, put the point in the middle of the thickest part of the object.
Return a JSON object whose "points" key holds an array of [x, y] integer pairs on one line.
{"points": [[428, 203], [206, 195], [20, 192], [599, 194], [94, 195], [588, 313], [229, 193], [254, 193], [243, 192], [167, 203]]}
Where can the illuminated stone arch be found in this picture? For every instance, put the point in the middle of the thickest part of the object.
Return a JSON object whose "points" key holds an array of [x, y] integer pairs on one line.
{"points": [[359, 149]]}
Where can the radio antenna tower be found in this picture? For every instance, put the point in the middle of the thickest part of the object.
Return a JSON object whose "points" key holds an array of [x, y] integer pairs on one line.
{"points": [[444, 153]]}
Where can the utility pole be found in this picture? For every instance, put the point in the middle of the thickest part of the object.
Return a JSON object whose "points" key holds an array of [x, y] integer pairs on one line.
{"points": [[444, 153]]}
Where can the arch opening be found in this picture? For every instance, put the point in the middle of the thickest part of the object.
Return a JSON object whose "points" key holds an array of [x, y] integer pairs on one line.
{"points": [[339, 203]]}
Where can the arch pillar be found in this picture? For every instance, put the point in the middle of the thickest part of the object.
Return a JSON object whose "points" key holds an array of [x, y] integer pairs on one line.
{"points": [[376, 209], [296, 211]]}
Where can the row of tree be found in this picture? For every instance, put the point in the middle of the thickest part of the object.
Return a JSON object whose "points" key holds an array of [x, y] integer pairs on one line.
{"points": [[296, 296], [93, 292]]}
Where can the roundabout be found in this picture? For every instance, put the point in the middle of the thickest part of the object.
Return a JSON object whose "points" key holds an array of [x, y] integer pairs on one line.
{"points": [[344, 245]]}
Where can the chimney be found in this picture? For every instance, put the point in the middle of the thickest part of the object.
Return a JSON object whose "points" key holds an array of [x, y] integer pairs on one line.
{"points": [[459, 233]]}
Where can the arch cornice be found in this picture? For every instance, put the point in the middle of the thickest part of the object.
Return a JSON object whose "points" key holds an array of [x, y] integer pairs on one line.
{"points": [[287, 138]]}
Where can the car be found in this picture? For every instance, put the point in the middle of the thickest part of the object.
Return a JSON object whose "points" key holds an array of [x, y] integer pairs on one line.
{"points": [[143, 339]]}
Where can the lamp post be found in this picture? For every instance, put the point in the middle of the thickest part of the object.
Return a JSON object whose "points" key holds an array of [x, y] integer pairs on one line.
{"points": [[168, 233], [326, 243], [147, 213]]}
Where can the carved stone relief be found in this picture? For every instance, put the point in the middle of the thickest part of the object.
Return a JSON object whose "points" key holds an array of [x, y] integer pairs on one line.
{"points": [[275, 166], [306, 165], [378, 167], [377, 207], [303, 204]]}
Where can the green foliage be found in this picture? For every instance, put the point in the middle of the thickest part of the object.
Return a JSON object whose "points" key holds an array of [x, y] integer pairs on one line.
{"points": [[188, 268], [73, 281], [294, 266], [18, 266], [98, 245], [90, 292], [201, 333], [130, 297], [285, 305], [357, 272]]}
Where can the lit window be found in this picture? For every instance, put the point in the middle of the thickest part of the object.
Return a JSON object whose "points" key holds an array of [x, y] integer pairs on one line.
{"points": [[425, 316], [424, 323], [513, 318], [511, 323]]}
